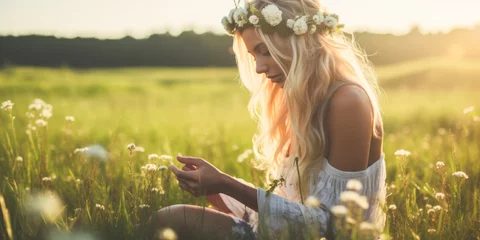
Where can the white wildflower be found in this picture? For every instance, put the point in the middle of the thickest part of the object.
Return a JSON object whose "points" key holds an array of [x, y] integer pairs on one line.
{"points": [[439, 196], [362, 202], [290, 23], [272, 15], [428, 206], [77, 211], [240, 16], [460, 174], [47, 179], [330, 22], [354, 185], [430, 211], [155, 190], [47, 204], [440, 165], [163, 167], [78, 181], [19, 159], [150, 168], [152, 157], [339, 210], [46, 113], [366, 227], [41, 122], [81, 150], [165, 157], [318, 18], [253, 20], [7, 105], [392, 207], [139, 149], [168, 234], [300, 26], [312, 202], [348, 196], [468, 110], [99, 206], [70, 119], [313, 29], [131, 147], [431, 230], [402, 153], [144, 206], [437, 208]]}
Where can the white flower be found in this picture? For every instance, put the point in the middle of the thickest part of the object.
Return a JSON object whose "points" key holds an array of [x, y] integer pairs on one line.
{"points": [[154, 190], [99, 206], [144, 206], [402, 153], [366, 227], [139, 149], [362, 202], [77, 211], [460, 174], [81, 150], [19, 159], [430, 211], [47, 179], [7, 105], [330, 22], [160, 168], [300, 26], [312, 202], [253, 20], [318, 18], [437, 208], [46, 113], [439, 195], [78, 181], [440, 165], [152, 157], [70, 119], [131, 147], [428, 206], [313, 29], [354, 185], [165, 157], [240, 16], [272, 14], [150, 167], [41, 122], [468, 110], [431, 230], [168, 234], [339, 210], [392, 207], [349, 196], [290, 23]]}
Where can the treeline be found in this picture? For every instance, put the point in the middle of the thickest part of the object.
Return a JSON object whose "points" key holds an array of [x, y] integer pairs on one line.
{"points": [[208, 49]]}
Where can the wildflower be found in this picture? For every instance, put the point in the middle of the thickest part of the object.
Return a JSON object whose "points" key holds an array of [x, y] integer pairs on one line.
{"points": [[19, 159], [468, 110], [366, 227], [77, 211], [240, 16], [339, 210], [139, 149], [351, 220], [27, 189], [428, 206], [437, 208], [439, 196], [300, 26], [97, 152], [253, 20], [165, 157], [430, 211], [330, 22], [290, 23], [431, 230], [150, 167], [272, 14], [318, 18], [460, 174], [80, 150], [41, 122], [152, 157], [440, 165], [168, 234], [348, 196], [354, 185], [155, 190], [78, 181], [312, 202], [313, 28], [47, 204], [392, 207], [99, 206], [46, 113], [7, 105], [144, 206], [70, 119], [131, 147], [47, 179], [362, 202], [163, 167], [402, 153]]}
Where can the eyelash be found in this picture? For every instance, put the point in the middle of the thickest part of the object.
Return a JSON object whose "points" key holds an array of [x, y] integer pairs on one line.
{"points": [[266, 54]]}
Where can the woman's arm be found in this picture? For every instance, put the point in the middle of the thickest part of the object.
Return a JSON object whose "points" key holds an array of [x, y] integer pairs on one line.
{"points": [[240, 191], [218, 203]]}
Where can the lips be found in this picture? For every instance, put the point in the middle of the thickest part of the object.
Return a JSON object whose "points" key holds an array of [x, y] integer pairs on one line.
{"points": [[272, 77]]}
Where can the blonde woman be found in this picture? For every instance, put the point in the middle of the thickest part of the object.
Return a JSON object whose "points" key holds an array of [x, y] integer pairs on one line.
{"points": [[314, 96]]}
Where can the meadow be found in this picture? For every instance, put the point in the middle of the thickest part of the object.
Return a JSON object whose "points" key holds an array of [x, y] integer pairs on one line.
{"points": [[430, 109]]}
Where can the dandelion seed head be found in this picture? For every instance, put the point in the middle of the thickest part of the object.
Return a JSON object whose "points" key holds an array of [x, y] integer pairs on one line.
{"points": [[354, 185], [339, 210], [402, 153], [312, 202], [460, 174]]}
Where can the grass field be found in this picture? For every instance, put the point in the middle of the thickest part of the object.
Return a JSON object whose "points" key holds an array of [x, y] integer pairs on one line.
{"points": [[203, 112]]}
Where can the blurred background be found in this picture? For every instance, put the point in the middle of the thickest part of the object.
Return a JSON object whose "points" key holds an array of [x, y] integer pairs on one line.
{"points": [[161, 74]]}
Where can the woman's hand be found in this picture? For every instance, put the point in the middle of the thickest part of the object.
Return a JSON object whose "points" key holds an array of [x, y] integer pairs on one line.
{"points": [[198, 176]]}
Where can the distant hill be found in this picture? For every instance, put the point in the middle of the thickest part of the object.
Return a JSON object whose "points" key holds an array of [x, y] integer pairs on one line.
{"points": [[207, 49]]}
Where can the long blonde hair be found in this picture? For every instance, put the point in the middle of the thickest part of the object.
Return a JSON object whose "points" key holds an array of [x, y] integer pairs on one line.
{"points": [[291, 116]]}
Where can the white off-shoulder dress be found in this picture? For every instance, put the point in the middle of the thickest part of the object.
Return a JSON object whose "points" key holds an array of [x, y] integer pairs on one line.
{"points": [[284, 209]]}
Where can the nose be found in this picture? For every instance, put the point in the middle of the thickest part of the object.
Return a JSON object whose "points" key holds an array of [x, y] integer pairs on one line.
{"points": [[262, 67]]}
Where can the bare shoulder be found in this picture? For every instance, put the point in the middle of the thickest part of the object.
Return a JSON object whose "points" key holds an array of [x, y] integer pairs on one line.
{"points": [[349, 123]]}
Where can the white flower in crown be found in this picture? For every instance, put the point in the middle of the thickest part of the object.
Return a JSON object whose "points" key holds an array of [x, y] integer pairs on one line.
{"points": [[318, 18], [300, 27], [253, 20], [272, 15], [313, 28], [330, 22], [240, 16], [290, 23]]}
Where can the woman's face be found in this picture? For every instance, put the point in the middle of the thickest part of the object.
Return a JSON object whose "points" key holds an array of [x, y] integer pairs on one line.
{"points": [[264, 61]]}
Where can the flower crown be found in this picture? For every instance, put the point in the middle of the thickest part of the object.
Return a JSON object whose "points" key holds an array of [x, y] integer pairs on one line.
{"points": [[270, 20]]}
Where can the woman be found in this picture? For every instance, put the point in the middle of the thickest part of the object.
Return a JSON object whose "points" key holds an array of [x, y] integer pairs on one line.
{"points": [[313, 93]]}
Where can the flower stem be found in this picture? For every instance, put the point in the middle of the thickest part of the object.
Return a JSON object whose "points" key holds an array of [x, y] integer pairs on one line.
{"points": [[299, 180]]}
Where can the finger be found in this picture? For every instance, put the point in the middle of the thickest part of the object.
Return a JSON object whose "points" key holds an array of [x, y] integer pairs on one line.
{"points": [[190, 160], [189, 184], [189, 167], [187, 175]]}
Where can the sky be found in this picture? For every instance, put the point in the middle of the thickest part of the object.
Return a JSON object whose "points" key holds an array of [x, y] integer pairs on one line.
{"points": [[141, 18]]}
